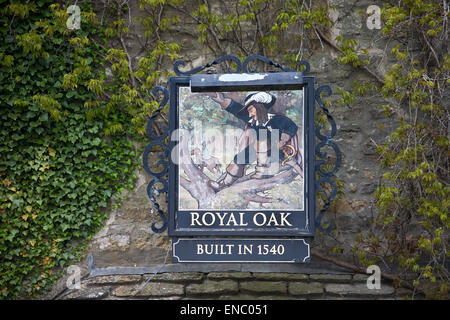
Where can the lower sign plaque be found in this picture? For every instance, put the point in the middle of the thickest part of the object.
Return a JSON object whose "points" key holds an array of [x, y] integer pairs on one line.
{"points": [[241, 250]]}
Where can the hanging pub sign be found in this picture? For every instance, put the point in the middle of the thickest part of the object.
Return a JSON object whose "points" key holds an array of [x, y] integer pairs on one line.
{"points": [[241, 164]]}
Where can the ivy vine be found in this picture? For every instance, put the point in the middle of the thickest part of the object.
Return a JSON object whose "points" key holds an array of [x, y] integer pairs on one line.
{"points": [[410, 229], [57, 170]]}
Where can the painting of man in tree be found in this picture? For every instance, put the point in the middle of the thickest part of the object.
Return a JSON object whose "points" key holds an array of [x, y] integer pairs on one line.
{"points": [[250, 142]]}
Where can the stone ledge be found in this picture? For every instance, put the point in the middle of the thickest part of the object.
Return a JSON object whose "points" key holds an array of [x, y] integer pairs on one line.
{"points": [[229, 275], [176, 277], [232, 286], [334, 278], [315, 267], [405, 294], [159, 289], [213, 287], [85, 293], [167, 298], [263, 286], [359, 277], [281, 276], [113, 280], [358, 290], [306, 288], [245, 296]]}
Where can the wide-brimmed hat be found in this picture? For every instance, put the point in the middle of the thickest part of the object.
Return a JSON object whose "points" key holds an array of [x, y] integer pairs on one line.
{"points": [[261, 97]]}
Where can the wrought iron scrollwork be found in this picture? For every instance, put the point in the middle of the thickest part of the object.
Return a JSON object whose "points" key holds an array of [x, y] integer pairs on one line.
{"points": [[325, 139], [271, 63], [235, 59], [326, 176], [263, 59], [161, 176], [240, 66]]}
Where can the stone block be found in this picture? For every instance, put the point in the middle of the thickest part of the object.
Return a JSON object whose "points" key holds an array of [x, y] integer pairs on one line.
{"points": [[85, 293], [358, 205], [358, 290], [143, 243], [341, 206], [407, 294], [177, 277], [245, 296], [264, 286], [209, 287], [239, 296], [359, 277], [115, 242], [118, 279], [280, 276], [334, 278], [305, 288], [130, 212], [368, 188], [174, 298], [229, 275], [160, 289]]}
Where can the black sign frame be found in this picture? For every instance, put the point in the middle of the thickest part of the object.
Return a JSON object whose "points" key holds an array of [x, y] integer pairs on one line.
{"points": [[271, 81], [316, 175]]}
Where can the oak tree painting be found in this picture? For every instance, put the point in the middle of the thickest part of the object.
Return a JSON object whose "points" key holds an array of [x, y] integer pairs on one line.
{"points": [[211, 138]]}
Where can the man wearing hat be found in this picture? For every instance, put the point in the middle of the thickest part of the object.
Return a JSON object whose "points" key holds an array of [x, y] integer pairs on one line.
{"points": [[256, 142]]}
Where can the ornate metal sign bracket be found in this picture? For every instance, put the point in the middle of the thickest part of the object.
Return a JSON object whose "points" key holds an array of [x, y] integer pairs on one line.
{"points": [[326, 176], [236, 66], [161, 176]]}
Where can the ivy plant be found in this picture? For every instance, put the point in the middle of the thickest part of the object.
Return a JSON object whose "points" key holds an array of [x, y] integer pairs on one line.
{"points": [[58, 171]]}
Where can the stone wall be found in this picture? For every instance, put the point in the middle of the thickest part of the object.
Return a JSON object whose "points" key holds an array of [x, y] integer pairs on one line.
{"points": [[127, 240], [233, 286]]}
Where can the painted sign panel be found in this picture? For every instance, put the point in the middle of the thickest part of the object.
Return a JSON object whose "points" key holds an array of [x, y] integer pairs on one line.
{"points": [[241, 167], [242, 155]]}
